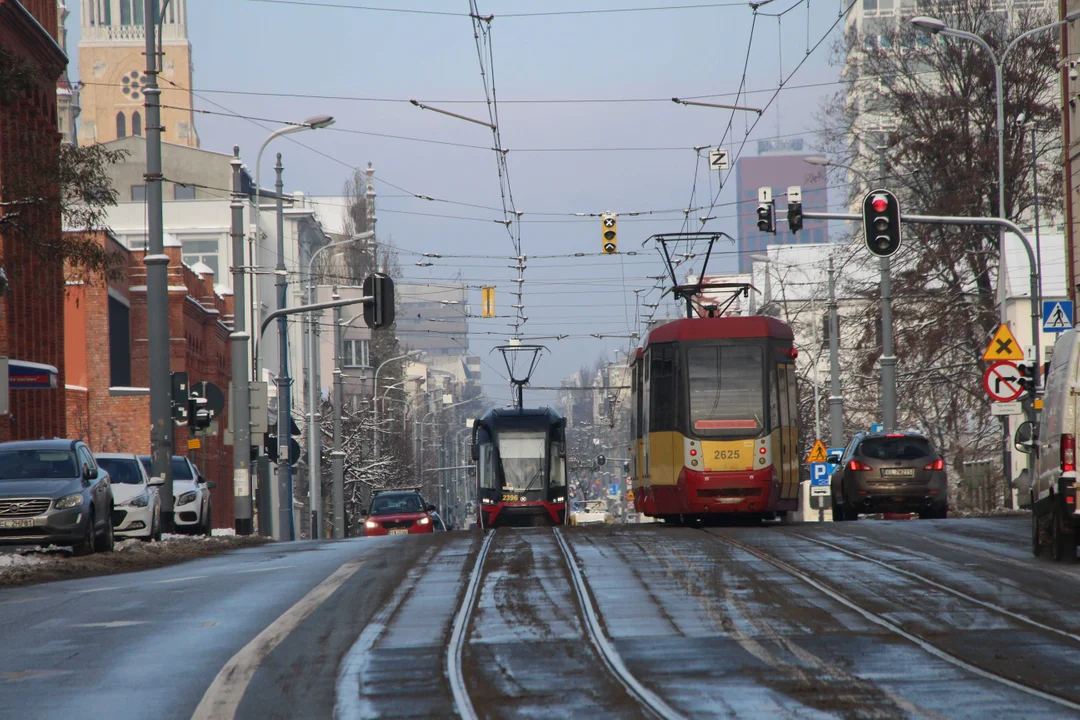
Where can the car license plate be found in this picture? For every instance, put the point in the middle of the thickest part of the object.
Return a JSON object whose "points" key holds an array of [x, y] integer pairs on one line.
{"points": [[898, 472], [399, 531], [20, 523]]}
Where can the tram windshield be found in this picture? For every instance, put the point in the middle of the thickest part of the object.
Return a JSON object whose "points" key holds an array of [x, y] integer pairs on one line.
{"points": [[727, 396], [522, 457]]}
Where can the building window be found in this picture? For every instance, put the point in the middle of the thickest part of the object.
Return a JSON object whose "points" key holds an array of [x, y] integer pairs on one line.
{"points": [[119, 344], [136, 124], [121, 125], [183, 192], [355, 354], [131, 12], [138, 193], [200, 250]]}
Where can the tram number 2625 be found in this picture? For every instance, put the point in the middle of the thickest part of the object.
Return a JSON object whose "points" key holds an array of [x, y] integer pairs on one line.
{"points": [[726, 455]]}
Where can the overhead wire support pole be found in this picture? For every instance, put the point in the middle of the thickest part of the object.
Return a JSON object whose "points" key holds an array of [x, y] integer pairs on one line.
{"points": [[157, 282], [422, 106], [240, 402]]}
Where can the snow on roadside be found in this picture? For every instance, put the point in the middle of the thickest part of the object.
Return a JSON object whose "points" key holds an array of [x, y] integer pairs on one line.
{"points": [[11, 560]]}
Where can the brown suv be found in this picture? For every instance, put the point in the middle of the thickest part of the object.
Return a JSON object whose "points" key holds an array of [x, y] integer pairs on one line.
{"points": [[889, 472]]}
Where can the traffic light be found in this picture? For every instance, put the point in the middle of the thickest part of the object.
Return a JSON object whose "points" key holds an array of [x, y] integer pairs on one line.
{"points": [[1027, 380], [379, 312], [608, 223], [601, 460], [766, 211], [794, 208], [179, 397], [881, 222], [198, 412]]}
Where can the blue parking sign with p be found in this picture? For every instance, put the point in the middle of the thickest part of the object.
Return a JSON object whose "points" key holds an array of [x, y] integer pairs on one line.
{"points": [[819, 474]]}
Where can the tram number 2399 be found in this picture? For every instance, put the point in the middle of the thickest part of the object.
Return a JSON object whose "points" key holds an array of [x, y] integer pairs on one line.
{"points": [[726, 455]]}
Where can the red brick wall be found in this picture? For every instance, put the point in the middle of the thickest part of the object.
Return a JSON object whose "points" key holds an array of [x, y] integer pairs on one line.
{"points": [[30, 327], [200, 347]]}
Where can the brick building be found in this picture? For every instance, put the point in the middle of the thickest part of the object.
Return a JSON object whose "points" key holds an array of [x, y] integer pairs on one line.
{"points": [[105, 326], [30, 216]]}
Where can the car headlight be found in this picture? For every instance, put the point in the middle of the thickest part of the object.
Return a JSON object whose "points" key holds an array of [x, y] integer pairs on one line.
{"points": [[188, 497], [137, 501], [69, 501], [371, 524], [424, 521]]}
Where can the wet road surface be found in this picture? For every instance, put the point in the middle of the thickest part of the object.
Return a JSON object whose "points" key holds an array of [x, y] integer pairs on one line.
{"points": [[932, 619]]}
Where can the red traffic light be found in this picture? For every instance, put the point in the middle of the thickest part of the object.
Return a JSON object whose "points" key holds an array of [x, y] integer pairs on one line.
{"points": [[880, 203]]}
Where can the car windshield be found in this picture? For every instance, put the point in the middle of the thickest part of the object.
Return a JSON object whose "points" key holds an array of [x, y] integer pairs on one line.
{"points": [[181, 470], [726, 396], [522, 457], [124, 472], [393, 504], [898, 448], [37, 464]]}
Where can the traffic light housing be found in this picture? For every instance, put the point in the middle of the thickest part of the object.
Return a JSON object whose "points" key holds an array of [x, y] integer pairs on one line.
{"points": [[179, 397], [766, 211], [198, 412], [881, 222], [379, 312], [794, 208], [608, 223], [1026, 379]]}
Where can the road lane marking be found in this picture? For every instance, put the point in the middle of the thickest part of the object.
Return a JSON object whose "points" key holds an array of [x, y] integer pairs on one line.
{"points": [[223, 696], [604, 647], [113, 624], [457, 637], [176, 580], [94, 590], [944, 588], [894, 628], [265, 569]]}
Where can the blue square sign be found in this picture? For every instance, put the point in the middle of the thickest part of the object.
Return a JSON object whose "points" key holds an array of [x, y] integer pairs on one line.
{"points": [[1057, 315], [819, 474]]}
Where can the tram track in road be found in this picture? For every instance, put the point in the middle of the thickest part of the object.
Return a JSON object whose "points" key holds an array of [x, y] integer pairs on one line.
{"points": [[895, 628], [455, 648]]}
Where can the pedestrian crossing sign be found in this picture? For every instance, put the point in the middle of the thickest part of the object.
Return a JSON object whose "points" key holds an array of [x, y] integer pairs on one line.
{"points": [[817, 454], [1003, 346], [1057, 315]]}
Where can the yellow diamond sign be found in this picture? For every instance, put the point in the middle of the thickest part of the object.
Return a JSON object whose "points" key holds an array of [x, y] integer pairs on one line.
{"points": [[1003, 346]]}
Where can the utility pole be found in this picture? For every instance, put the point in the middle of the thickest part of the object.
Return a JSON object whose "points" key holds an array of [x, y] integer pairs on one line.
{"points": [[283, 506], [888, 358], [157, 282], [337, 457], [241, 386], [836, 400]]}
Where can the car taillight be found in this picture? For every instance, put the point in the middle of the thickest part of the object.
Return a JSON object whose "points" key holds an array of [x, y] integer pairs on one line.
{"points": [[938, 464], [856, 465], [1068, 453]]}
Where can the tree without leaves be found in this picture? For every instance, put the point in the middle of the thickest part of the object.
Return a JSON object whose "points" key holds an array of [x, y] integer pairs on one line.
{"points": [[72, 180]]}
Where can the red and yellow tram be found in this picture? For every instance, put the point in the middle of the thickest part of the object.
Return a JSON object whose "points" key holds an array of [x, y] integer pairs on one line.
{"points": [[715, 420]]}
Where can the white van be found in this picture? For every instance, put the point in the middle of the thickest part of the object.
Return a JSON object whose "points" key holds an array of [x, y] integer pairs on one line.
{"points": [[1054, 519]]}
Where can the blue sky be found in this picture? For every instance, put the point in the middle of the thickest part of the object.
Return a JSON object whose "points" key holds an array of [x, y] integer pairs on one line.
{"points": [[257, 46]]}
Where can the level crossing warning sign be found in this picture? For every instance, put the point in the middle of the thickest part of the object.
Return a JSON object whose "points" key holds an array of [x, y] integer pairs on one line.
{"points": [[817, 453], [1003, 346]]}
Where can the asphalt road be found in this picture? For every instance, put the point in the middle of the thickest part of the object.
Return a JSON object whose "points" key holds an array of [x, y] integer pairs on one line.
{"points": [[930, 619]]}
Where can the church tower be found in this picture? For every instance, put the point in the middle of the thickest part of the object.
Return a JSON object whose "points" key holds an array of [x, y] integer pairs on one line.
{"points": [[112, 65]]}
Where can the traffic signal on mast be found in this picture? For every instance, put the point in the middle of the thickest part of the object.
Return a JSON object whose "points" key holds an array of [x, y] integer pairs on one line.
{"points": [[881, 222], [766, 211], [379, 311], [794, 208], [199, 414], [608, 222], [1026, 379], [179, 397]]}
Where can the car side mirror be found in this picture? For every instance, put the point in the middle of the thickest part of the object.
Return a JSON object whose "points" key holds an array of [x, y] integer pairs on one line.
{"points": [[834, 459], [90, 473], [210, 484], [430, 508], [156, 481], [1027, 437]]}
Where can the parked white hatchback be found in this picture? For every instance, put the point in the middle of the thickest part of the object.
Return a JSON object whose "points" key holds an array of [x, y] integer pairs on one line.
{"points": [[192, 511], [136, 503]]}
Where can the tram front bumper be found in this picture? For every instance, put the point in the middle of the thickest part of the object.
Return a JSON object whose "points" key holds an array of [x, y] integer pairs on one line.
{"points": [[755, 491]]}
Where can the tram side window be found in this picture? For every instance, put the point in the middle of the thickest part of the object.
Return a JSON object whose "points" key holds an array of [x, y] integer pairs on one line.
{"points": [[486, 463], [558, 465], [662, 389], [793, 395]]}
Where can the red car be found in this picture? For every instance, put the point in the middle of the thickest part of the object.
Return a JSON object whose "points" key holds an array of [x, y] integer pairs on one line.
{"points": [[398, 512]]}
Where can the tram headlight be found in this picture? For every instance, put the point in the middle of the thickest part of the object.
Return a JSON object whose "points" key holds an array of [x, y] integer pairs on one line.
{"points": [[487, 501], [560, 499]]}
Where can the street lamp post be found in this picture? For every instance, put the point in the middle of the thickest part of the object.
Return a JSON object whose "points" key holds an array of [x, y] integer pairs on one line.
{"points": [[375, 400], [936, 26], [314, 469]]}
